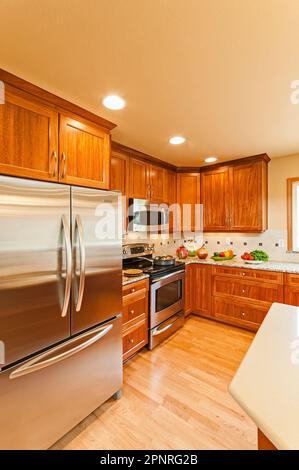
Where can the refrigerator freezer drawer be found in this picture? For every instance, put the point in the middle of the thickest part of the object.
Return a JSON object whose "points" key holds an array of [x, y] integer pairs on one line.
{"points": [[45, 397]]}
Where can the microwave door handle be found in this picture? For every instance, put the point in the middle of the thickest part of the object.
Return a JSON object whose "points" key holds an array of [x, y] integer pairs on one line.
{"points": [[79, 228], [68, 280], [33, 365]]}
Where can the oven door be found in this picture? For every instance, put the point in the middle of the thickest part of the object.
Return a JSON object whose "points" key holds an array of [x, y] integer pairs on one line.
{"points": [[167, 297], [147, 217]]}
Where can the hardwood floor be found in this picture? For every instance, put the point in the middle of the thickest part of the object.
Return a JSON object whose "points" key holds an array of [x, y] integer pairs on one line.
{"points": [[175, 397]]}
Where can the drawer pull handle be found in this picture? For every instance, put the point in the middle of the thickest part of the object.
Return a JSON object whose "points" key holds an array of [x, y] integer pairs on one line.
{"points": [[243, 274], [131, 341], [133, 290], [132, 312]]}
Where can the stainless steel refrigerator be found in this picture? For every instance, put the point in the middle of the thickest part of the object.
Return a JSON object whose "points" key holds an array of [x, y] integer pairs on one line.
{"points": [[60, 308]]}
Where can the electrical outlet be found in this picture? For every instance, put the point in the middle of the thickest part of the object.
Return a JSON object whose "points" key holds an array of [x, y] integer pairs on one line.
{"points": [[227, 241], [281, 243]]}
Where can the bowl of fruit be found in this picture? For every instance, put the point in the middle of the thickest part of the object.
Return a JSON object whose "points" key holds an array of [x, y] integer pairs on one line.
{"points": [[255, 257], [223, 255]]}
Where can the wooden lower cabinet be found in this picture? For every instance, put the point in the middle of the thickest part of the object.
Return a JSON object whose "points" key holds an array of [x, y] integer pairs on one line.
{"points": [[291, 289], [240, 297], [243, 297], [242, 314], [263, 442], [198, 285], [135, 317]]}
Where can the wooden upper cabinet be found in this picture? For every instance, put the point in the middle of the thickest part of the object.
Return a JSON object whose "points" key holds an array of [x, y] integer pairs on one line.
{"points": [[84, 153], [119, 173], [248, 184], [188, 195], [235, 196], [139, 179], [119, 180], [147, 181], [28, 137], [215, 199], [171, 199], [158, 184]]}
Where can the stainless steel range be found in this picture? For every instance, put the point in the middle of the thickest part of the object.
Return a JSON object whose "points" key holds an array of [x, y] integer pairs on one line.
{"points": [[166, 300]]}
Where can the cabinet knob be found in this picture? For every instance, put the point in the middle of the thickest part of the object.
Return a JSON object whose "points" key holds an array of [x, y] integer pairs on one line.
{"points": [[133, 290], [243, 291], [132, 312], [131, 341], [243, 274], [243, 314]]}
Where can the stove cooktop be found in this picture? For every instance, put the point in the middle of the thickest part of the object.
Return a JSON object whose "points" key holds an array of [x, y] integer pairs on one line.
{"points": [[151, 269]]}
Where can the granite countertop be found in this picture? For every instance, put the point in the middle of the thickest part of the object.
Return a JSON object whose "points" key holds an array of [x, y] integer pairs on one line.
{"points": [[267, 382], [129, 280], [279, 266]]}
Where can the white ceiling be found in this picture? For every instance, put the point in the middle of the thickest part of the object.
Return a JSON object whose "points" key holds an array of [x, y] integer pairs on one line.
{"points": [[216, 71]]}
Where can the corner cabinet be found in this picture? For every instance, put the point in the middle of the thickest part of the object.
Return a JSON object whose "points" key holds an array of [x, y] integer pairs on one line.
{"points": [[235, 196], [28, 137]]}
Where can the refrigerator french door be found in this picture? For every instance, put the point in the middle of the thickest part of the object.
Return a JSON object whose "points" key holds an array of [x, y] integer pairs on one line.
{"points": [[60, 338]]}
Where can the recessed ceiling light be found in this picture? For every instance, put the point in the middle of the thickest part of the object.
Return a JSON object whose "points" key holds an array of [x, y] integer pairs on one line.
{"points": [[177, 140], [114, 102], [211, 159]]}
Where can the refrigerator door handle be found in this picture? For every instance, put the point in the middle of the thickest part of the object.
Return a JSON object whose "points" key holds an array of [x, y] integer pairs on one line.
{"points": [[79, 228], [68, 280], [41, 361]]}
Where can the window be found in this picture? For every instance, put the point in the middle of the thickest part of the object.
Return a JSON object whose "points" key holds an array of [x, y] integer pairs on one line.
{"points": [[293, 214]]}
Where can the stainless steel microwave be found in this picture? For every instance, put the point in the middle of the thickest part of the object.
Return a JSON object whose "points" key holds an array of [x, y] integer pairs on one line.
{"points": [[148, 217]]}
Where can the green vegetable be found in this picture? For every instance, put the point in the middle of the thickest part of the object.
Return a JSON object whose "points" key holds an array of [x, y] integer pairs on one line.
{"points": [[260, 255]]}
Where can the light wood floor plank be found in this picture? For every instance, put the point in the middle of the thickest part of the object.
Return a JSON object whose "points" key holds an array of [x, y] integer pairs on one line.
{"points": [[175, 397]]}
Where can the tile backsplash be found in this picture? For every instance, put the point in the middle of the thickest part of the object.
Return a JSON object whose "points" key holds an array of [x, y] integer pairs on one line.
{"points": [[274, 242]]}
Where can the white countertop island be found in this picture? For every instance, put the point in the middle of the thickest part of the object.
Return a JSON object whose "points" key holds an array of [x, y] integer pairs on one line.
{"points": [[266, 384]]}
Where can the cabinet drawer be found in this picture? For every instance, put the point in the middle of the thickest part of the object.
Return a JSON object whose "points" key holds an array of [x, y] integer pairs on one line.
{"points": [[262, 292], [250, 316], [134, 292], [134, 311], [134, 339], [291, 280], [246, 273]]}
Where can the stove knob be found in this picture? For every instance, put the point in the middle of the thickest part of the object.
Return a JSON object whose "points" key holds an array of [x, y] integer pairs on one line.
{"points": [[125, 252]]}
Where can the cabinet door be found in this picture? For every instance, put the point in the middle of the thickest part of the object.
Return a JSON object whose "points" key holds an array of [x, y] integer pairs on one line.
{"points": [[172, 200], [202, 289], [215, 197], [158, 184], [139, 179], [188, 289], [119, 181], [119, 173], [188, 192], [291, 296], [28, 137], [248, 184], [84, 151], [291, 289]]}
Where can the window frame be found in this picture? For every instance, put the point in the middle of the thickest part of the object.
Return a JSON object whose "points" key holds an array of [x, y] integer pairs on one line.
{"points": [[290, 212]]}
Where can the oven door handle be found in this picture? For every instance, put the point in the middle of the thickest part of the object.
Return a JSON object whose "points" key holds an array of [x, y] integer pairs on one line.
{"points": [[168, 276], [157, 332]]}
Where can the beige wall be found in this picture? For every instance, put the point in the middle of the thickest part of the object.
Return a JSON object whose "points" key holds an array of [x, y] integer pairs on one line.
{"points": [[280, 169]]}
